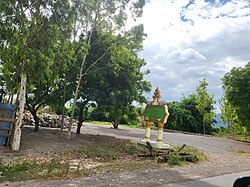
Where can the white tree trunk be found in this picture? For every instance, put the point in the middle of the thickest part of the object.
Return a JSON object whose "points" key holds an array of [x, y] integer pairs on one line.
{"points": [[17, 132], [75, 98], [77, 89]]}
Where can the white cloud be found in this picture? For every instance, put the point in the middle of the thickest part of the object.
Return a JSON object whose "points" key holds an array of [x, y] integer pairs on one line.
{"points": [[184, 55], [190, 41]]}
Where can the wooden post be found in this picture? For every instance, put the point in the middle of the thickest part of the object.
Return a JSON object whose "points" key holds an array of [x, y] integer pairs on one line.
{"points": [[17, 132]]}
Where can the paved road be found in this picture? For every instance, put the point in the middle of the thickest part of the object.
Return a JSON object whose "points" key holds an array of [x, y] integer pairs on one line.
{"points": [[106, 180], [219, 181], [208, 144]]}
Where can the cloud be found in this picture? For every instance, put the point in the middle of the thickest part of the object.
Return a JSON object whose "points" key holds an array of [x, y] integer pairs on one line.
{"points": [[191, 40]]}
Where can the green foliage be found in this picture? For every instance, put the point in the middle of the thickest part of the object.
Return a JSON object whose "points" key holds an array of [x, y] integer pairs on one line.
{"points": [[237, 93], [32, 42], [228, 113], [188, 154], [205, 104], [99, 17], [35, 42], [100, 114], [36, 39], [184, 116], [51, 166], [97, 114], [116, 81], [234, 131], [174, 159]]}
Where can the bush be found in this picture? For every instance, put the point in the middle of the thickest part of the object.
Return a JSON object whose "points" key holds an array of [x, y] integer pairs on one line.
{"points": [[98, 115]]}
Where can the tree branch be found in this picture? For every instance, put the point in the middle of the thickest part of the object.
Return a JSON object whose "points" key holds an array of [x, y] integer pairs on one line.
{"points": [[95, 62]]}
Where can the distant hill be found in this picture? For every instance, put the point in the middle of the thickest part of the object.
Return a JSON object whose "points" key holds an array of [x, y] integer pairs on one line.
{"points": [[219, 122]]}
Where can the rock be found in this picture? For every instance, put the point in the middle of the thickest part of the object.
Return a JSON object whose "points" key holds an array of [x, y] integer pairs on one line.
{"points": [[47, 120]]}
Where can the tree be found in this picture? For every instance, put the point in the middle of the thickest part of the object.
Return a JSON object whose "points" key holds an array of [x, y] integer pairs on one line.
{"points": [[29, 38], [117, 80], [205, 104], [237, 93], [180, 117], [102, 43], [185, 116], [103, 15], [228, 114]]}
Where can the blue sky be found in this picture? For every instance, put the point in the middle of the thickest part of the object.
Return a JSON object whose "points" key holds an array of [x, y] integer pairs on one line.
{"points": [[188, 40]]}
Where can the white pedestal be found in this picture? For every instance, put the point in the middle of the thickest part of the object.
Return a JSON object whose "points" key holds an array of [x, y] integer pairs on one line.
{"points": [[158, 145]]}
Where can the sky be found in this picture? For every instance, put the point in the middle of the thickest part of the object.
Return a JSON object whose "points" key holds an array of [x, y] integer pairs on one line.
{"points": [[188, 40]]}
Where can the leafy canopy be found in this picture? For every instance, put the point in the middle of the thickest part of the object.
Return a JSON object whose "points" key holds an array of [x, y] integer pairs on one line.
{"points": [[236, 85]]}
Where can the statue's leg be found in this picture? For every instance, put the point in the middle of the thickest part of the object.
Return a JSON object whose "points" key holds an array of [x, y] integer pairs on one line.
{"points": [[160, 132], [147, 134]]}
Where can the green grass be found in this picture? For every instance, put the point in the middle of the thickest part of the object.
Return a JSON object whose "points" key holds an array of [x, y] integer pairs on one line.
{"points": [[234, 137], [188, 154], [100, 122], [240, 152], [109, 123], [20, 171], [200, 155], [244, 153], [133, 126], [128, 166], [107, 151]]}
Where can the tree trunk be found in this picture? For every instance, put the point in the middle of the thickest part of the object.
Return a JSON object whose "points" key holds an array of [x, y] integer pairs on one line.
{"points": [[232, 127], [1, 95], [204, 128], [115, 123], [63, 111], [79, 125], [75, 98], [8, 101], [33, 111], [81, 118], [11, 99], [22, 100], [36, 118], [77, 89]]}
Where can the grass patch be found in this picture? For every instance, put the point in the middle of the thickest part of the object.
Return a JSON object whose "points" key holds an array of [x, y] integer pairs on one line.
{"points": [[183, 157], [127, 166], [110, 123], [178, 155], [100, 122], [199, 154], [107, 151], [133, 126], [20, 171], [240, 152], [244, 153], [30, 170], [234, 137], [174, 159]]}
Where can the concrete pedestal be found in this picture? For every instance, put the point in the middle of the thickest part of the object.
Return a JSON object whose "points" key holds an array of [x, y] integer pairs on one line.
{"points": [[158, 145]]}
